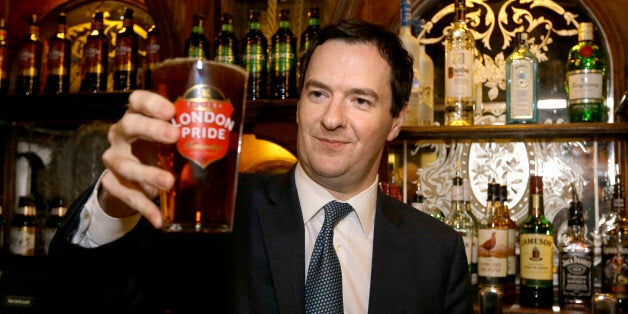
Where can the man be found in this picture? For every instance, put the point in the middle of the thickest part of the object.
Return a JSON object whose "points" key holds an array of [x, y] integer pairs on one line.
{"points": [[393, 259]]}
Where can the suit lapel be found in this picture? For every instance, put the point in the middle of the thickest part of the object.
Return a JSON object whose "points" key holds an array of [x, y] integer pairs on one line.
{"points": [[283, 234]]}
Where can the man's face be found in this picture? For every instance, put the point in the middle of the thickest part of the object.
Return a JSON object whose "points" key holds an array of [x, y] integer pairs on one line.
{"points": [[344, 116]]}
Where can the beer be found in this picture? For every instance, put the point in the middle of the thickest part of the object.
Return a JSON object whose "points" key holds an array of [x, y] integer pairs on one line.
{"points": [[59, 59], [209, 100], [126, 57], [95, 57]]}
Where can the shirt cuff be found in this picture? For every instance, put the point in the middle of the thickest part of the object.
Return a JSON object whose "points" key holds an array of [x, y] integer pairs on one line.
{"points": [[96, 227]]}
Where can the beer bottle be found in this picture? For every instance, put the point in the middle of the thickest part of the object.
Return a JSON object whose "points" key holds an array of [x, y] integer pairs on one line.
{"points": [[226, 43], [254, 57], [95, 57], [58, 208], [313, 26], [283, 61], [153, 54], [197, 45], [4, 54], [59, 59], [23, 228], [127, 45], [29, 61]]}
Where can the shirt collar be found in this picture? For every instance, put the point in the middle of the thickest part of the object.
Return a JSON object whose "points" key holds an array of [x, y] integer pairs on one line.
{"points": [[313, 196]]}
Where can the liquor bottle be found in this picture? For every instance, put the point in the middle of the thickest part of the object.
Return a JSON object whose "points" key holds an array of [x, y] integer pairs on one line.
{"points": [[586, 70], [153, 54], [510, 293], [411, 44], [126, 56], [226, 44], [29, 61], [96, 57], [254, 57], [313, 26], [536, 241], [426, 87], [459, 58], [575, 271], [23, 228], [463, 223], [283, 61], [4, 61], [493, 244], [466, 186], [59, 59], [58, 208], [418, 200], [197, 45], [522, 83]]}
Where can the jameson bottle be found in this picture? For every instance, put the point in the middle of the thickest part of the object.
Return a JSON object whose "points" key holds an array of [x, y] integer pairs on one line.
{"points": [[575, 270], [4, 61], [254, 57], [153, 54], [226, 46], [536, 240], [313, 26], [522, 84], [197, 45], [59, 59], [58, 208], [463, 223], [493, 244], [510, 294], [283, 60], [29, 61], [95, 57], [459, 57], [586, 69], [23, 228], [474, 250], [126, 57]]}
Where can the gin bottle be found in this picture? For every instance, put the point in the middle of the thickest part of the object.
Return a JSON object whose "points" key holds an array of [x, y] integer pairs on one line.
{"points": [[459, 57], [586, 69], [521, 84]]}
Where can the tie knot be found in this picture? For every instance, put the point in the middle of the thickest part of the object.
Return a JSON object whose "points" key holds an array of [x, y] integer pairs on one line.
{"points": [[334, 211]]}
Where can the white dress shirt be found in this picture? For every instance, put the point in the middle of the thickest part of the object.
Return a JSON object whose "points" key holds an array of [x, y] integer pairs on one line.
{"points": [[353, 235]]}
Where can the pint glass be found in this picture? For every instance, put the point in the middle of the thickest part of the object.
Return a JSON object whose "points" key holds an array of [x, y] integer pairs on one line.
{"points": [[209, 98]]}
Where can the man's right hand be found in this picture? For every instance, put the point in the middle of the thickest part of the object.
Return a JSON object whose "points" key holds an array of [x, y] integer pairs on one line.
{"points": [[133, 180]]}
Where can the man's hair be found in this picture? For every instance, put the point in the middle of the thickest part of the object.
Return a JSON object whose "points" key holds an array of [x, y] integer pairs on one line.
{"points": [[389, 46]]}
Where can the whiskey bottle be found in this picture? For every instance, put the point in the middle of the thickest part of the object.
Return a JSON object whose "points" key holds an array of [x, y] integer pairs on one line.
{"points": [[313, 26], [411, 44], [4, 61], [96, 57], [493, 244], [23, 228], [575, 271], [586, 69], [153, 54], [463, 223], [197, 45], [254, 58], [459, 58], [283, 62], [474, 249], [59, 59], [126, 56], [536, 241], [521, 83], [510, 293], [226, 44], [29, 61], [58, 208]]}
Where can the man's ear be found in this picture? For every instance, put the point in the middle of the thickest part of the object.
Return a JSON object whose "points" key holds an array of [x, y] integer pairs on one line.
{"points": [[395, 127]]}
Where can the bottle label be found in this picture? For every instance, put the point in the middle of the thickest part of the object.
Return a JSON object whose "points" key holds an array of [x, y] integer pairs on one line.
{"points": [[224, 54], [575, 274], [56, 58], [26, 61], [283, 59], [203, 115], [124, 54], [536, 256], [255, 60], [152, 52], [493, 252], [22, 240], [459, 73], [93, 56], [468, 246], [522, 90], [585, 85], [615, 269]]}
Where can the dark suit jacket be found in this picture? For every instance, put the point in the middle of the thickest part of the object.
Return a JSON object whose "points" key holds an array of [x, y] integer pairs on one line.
{"points": [[419, 263]]}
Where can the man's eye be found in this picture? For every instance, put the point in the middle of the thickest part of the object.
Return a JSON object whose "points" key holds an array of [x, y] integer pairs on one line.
{"points": [[316, 94], [362, 102]]}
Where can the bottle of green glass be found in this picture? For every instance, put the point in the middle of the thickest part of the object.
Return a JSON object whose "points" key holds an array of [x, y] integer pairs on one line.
{"points": [[522, 84], [536, 261], [586, 69], [197, 45], [59, 59], [466, 196], [283, 60], [226, 44], [313, 26], [29, 60], [254, 58]]}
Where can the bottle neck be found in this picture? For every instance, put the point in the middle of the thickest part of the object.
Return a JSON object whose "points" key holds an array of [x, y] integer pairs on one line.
{"points": [[255, 26], [536, 205], [313, 21], [127, 23], [284, 24]]}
